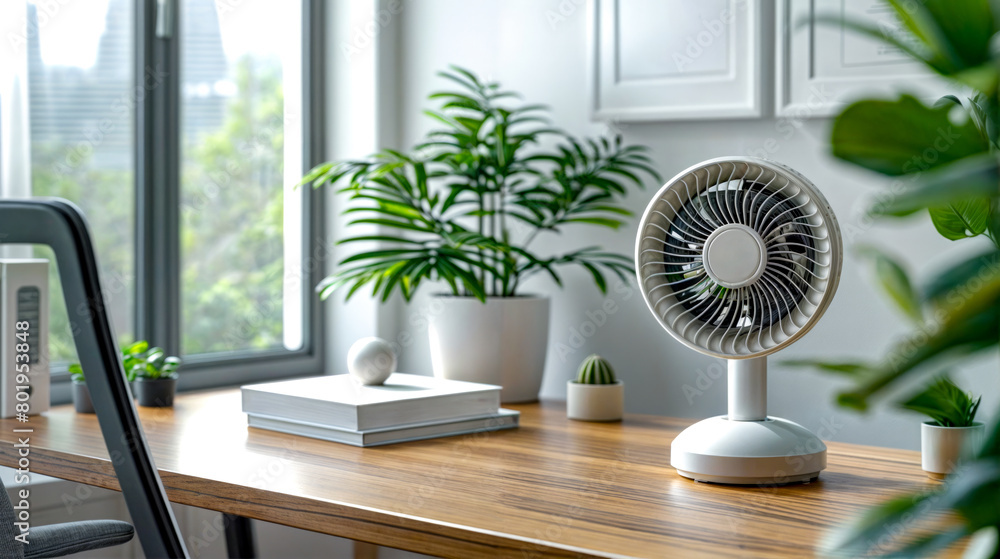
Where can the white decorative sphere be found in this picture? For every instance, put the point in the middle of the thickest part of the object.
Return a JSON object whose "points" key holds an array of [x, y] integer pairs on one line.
{"points": [[371, 360]]}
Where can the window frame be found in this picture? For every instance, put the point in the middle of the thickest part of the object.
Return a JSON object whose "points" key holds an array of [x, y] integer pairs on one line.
{"points": [[157, 223]]}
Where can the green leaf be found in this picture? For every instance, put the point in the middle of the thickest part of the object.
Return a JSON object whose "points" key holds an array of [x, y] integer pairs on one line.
{"points": [[902, 136], [920, 52], [991, 446], [894, 281], [470, 81], [944, 402], [470, 281], [973, 177], [961, 28], [380, 238], [138, 347], [602, 221], [602, 283], [951, 283], [392, 223], [420, 177], [973, 492], [848, 368], [962, 219], [393, 275], [945, 100], [919, 20], [855, 539], [135, 371], [392, 254], [965, 323], [952, 37], [993, 227], [887, 529], [984, 111], [611, 209], [315, 173]]}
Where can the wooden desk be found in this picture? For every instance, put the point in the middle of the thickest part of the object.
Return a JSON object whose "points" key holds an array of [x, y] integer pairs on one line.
{"points": [[554, 487]]}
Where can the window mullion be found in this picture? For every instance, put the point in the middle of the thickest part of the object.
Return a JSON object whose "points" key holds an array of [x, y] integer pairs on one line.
{"points": [[157, 179], [313, 130]]}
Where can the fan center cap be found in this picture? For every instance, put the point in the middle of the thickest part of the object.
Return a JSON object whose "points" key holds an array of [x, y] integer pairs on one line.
{"points": [[734, 255]]}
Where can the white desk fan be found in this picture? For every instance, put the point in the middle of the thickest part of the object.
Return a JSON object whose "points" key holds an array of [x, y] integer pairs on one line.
{"points": [[738, 257]]}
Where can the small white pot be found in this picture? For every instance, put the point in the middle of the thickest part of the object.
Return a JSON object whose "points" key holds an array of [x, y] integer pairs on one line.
{"points": [[595, 402], [942, 449], [503, 341]]}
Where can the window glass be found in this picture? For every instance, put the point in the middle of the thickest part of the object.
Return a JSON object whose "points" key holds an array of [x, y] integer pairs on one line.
{"points": [[241, 155], [81, 109]]}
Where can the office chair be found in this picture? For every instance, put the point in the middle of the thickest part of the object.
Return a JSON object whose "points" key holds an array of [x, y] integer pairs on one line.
{"points": [[56, 540], [60, 225]]}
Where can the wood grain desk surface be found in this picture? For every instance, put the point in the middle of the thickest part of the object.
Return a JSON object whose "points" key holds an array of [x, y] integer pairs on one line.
{"points": [[552, 488]]}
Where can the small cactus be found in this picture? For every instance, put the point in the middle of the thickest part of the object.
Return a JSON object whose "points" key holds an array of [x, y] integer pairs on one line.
{"points": [[596, 370]]}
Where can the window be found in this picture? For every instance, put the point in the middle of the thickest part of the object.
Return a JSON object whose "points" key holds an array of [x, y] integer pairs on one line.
{"points": [[181, 128]]}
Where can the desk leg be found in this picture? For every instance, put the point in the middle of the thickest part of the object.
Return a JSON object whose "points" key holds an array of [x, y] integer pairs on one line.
{"points": [[364, 550], [239, 537]]}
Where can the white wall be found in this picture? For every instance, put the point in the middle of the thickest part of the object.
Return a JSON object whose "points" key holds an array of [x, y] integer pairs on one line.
{"points": [[538, 47]]}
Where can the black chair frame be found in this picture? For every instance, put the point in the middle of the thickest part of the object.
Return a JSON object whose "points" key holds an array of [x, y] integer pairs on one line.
{"points": [[60, 225]]}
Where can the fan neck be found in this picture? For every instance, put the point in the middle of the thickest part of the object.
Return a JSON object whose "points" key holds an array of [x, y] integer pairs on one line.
{"points": [[748, 389]]}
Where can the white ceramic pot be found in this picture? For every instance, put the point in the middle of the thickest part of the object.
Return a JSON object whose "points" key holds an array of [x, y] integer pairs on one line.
{"points": [[595, 402], [503, 341], [942, 449]]}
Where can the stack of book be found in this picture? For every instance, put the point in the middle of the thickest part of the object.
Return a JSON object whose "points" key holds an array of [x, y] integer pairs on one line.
{"points": [[406, 408]]}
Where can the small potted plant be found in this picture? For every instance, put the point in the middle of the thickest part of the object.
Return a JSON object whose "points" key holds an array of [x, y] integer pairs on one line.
{"points": [[154, 374], [952, 435], [81, 394], [152, 377], [595, 395]]}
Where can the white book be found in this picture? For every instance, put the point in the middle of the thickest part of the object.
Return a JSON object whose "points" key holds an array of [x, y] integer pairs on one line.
{"points": [[340, 401], [503, 419]]}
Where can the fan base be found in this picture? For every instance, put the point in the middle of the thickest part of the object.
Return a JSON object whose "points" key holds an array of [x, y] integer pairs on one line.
{"points": [[768, 482], [774, 451]]}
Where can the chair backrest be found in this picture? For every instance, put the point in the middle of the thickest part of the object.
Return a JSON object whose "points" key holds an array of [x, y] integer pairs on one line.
{"points": [[60, 225]]}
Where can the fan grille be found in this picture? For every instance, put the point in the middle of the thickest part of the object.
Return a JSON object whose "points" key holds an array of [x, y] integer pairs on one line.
{"points": [[756, 295]]}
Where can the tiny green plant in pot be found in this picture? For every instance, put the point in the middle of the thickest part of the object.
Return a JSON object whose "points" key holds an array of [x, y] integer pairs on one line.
{"points": [[952, 435], [152, 377], [465, 209], [155, 375], [595, 394]]}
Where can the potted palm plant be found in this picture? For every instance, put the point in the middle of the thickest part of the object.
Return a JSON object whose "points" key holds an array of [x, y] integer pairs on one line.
{"points": [[465, 209], [953, 434]]}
